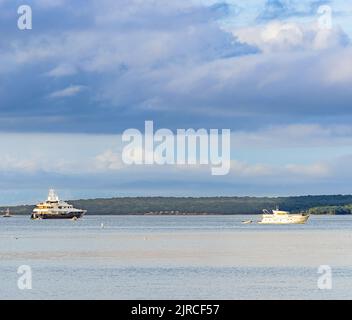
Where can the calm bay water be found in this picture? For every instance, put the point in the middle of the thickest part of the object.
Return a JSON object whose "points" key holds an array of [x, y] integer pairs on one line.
{"points": [[175, 257]]}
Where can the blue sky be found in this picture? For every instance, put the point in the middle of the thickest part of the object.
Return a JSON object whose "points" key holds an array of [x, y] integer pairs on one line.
{"points": [[90, 69]]}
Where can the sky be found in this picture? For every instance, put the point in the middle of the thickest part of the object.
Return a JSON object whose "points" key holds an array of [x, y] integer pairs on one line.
{"points": [[269, 70]]}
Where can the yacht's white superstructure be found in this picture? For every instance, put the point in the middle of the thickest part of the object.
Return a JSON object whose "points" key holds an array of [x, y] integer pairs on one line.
{"points": [[283, 217], [54, 208]]}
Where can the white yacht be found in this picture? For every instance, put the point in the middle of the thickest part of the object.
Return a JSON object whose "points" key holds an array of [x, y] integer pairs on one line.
{"points": [[283, 217], [54, 208]]}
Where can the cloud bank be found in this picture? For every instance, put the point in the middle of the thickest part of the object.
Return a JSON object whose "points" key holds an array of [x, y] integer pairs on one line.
{"points": [[265, 69]]}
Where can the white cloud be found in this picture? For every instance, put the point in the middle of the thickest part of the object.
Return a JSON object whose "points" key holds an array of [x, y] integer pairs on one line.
{"points": [[109, 160], [50, 3], [57, 153], [67, 92], [338, 68], [319, 170], [10, 163], [285, 172], [294, 136], [287, 36], [62, 70], [186, 63], [99, 157], [240, 168]]}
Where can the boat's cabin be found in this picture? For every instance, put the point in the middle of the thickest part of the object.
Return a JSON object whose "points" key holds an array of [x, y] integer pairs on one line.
{"points": [[280, 212], [44, 205], [53, 201], [50, 205]]}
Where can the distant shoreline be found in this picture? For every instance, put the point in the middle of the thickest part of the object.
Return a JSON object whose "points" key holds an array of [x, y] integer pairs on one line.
{"points": [[182, 206]]}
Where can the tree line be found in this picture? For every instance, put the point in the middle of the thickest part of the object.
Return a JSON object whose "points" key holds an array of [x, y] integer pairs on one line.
{"points": [[324, 204]]}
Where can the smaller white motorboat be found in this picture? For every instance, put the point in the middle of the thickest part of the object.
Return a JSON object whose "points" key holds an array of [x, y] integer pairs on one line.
{"points": [[283, 217]]}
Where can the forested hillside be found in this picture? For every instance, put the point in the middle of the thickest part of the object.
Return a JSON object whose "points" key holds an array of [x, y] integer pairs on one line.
{"points": [[209, 205]]}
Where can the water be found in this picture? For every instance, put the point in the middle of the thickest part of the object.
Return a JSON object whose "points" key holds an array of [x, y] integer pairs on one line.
{"points": [[175, 257]]}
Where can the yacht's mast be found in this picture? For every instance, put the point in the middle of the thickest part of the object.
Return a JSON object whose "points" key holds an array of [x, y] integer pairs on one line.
{"points": [[52, 197]]}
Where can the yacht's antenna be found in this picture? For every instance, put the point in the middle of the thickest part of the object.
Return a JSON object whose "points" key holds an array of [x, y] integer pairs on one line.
{"points": [[52, 196]]}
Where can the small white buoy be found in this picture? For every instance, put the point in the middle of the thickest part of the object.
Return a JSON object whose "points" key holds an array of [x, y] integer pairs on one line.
{"points": [[102, 225]]}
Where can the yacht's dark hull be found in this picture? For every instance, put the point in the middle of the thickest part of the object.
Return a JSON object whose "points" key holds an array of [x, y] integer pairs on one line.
{"points": [[69, 215]]}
